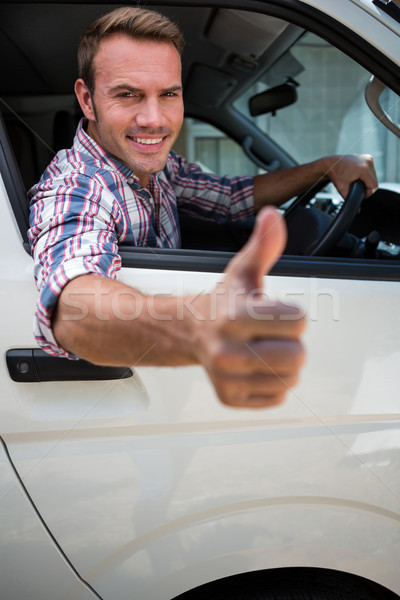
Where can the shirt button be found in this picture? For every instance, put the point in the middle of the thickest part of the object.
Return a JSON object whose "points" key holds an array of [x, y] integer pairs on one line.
{"points": [[130, 180]]}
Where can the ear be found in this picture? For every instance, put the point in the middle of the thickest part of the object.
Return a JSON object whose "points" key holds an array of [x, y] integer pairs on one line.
{"points": [[85, 99]]}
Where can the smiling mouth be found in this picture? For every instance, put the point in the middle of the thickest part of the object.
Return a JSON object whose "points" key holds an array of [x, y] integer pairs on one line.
{"points": [[146, 141]]}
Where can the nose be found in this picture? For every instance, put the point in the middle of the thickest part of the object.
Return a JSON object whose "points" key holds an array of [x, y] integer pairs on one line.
{"points": [[150, 114]]}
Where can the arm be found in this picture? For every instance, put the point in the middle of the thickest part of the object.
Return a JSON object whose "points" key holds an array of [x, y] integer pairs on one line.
{"points": [[278, 187], [75, 227], [249, 346], [207, 195]]}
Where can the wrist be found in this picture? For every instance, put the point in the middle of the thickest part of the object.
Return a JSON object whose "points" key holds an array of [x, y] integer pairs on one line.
{"points": [[324, 166], [196, 324]]}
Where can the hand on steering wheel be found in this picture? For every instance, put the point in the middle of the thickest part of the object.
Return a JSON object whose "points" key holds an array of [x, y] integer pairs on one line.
{"points": [[327, 239]]}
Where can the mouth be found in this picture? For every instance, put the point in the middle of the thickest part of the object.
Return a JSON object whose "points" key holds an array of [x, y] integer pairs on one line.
{"points": [[146, 141]]}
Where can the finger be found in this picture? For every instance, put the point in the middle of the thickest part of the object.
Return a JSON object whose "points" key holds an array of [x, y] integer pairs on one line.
{"points": [[257, 318], [260, 402], [260, 253], [371, 178], [276, 357], [258, 384], [265, 398]]}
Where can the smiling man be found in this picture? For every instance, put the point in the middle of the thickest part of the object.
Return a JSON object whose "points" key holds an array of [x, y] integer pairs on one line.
{"points": [[121, 182], [136, 113]]}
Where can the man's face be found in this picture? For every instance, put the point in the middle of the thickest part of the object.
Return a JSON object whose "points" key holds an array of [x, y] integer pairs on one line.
{"points": [[137, 102]]}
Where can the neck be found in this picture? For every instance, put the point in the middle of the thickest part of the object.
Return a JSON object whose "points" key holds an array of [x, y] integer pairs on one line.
{"points": [[143, 178], [91, 130]]}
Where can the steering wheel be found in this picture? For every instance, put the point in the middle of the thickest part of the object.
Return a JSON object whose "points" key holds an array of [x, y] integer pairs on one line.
{"points": [[314, 233]]}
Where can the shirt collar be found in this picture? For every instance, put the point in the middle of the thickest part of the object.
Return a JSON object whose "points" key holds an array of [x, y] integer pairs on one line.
{"points": [[84, 143]]}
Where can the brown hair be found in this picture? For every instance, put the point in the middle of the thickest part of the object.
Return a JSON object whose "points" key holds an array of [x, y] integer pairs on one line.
{"points": [[135, 22]]}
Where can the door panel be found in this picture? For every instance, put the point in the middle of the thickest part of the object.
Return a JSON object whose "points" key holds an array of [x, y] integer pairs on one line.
{"points": [[31, 565], [143, 481], [150, 486]]}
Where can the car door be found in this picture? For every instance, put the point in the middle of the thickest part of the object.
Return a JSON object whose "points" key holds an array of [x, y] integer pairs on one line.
{"points": [[149, 487]]}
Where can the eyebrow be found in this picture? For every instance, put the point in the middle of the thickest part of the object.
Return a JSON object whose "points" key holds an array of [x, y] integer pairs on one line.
{"points": [[129, 88]]}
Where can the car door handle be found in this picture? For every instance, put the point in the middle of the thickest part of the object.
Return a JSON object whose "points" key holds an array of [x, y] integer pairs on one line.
{"points": [[35, 365]]}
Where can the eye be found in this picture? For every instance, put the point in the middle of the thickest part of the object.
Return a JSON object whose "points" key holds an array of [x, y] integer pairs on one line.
{"points": [[172, 94]]}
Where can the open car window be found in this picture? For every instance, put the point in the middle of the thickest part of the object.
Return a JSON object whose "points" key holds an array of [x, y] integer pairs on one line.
{"points": [[330, 114], [233, 56]]}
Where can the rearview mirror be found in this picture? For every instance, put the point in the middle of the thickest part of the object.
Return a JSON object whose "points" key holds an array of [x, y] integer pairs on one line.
{"points": [[273, 99]]}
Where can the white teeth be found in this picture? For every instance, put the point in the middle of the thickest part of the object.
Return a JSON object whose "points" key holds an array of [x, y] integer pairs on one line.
{"points": [[147, 141]]}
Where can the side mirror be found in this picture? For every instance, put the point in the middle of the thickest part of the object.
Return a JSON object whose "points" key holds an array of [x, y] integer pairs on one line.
{"points": [[373, 91], [273, 99]]}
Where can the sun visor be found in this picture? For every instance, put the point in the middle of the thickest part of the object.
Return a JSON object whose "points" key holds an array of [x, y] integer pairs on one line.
{"points": [[245, 33]]}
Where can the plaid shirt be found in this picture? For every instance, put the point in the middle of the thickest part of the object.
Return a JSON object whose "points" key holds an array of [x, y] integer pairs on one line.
{"points": [[87, 203]]}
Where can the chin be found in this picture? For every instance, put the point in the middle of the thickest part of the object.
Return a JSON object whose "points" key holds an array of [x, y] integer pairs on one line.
{"points": [[150, 168]]}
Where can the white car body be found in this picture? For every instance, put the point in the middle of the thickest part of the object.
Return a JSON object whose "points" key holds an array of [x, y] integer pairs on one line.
{"points": [[147, 487]]}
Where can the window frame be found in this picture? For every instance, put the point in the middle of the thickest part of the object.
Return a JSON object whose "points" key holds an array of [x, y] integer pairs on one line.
{"points": [[151, 258]]}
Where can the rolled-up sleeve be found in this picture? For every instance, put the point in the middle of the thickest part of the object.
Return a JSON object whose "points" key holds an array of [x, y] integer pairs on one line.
{"points": [[73, 223]]}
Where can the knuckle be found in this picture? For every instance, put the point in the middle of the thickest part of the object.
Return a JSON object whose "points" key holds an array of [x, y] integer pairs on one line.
{"points": [[229, 394], [218, 356]]}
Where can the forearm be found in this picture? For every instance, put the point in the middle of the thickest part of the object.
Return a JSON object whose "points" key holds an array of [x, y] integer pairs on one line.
{"points": [[249, 346], [278, 187], [109, 323]]}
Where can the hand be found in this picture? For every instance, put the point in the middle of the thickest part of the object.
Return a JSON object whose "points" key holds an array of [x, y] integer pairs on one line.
{"points": [[250, 345], [343, 170]]}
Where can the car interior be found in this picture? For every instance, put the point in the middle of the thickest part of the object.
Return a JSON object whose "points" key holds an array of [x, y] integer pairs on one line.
{"points": [[242, 75]]}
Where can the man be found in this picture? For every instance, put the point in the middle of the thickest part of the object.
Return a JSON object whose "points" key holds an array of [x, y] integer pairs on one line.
{"points": [[121, 183]]}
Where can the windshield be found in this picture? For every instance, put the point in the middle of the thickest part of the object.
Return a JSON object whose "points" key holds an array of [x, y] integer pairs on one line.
{"points": [[331, 115]]}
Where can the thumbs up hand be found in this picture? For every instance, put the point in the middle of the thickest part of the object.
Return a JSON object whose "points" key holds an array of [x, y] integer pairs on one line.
{"points": [[249, 345]]}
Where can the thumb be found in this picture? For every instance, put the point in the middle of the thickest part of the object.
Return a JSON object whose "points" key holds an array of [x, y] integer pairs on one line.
{"points": [[260, 253]]}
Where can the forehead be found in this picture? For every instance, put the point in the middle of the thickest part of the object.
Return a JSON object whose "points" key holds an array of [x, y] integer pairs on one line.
{"points": [[120, 56]]}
